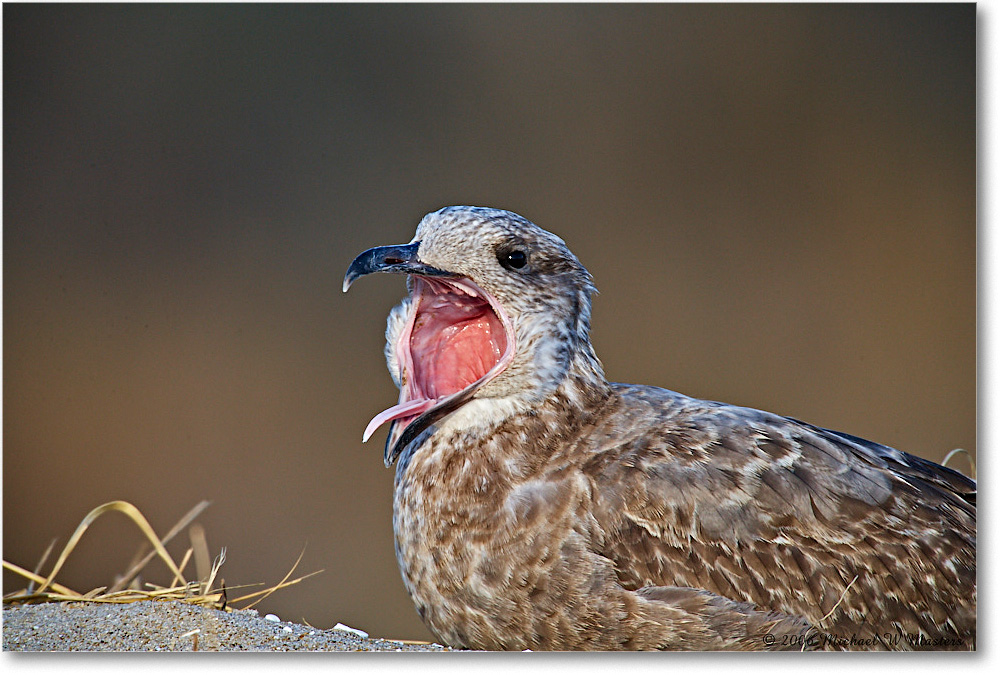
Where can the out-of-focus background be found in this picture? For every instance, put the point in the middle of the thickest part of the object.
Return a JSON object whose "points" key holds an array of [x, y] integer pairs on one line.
{"points": [[778, 204]]}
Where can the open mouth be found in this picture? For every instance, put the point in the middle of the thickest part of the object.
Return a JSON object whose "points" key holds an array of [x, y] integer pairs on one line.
{"points": [[455, 340]]}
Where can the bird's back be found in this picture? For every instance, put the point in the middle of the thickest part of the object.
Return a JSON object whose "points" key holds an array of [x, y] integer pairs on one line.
{"points": [[862, 541]]}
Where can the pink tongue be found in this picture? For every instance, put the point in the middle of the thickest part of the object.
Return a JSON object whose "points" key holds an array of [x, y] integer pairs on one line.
{"points": [[408, 409]]}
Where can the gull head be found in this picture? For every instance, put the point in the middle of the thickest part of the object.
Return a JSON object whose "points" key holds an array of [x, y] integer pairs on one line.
{"points": [[498, 310]]}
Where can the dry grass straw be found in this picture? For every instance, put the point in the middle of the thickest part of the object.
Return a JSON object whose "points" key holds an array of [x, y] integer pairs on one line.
{"points": [[202, 592], [968, 455]]}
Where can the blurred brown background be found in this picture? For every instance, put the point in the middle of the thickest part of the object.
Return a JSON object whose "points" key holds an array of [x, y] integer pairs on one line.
{"points": [[778, 204]]}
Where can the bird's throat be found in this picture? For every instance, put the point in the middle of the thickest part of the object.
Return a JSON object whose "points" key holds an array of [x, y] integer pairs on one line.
{"points": [[455, 339]]}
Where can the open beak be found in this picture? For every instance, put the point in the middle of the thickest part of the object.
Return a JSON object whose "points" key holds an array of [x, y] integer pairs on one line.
{"points": [[456, 338]]}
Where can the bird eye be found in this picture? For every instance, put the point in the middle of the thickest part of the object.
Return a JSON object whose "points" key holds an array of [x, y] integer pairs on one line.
{"points": [[513, 259]]}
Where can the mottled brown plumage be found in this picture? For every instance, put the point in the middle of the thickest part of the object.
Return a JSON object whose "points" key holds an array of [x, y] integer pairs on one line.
{"points": [[538, 506]]}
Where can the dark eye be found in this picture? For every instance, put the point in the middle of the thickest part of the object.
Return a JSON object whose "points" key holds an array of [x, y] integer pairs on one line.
{"points": [[513, 259]]}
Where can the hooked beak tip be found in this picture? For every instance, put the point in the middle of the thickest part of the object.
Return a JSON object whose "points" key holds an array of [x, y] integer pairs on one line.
{"points": [[394, 259]]}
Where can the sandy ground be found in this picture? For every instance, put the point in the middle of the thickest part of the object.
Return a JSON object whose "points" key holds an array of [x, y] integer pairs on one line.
{"points": [[171, 626]]}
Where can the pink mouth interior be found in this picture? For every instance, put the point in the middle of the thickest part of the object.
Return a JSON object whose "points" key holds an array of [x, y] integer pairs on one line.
{"points": [[454, 339]]}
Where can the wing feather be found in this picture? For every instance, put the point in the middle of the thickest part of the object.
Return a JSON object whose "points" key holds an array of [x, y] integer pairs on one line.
{"points": [[792, 518]]}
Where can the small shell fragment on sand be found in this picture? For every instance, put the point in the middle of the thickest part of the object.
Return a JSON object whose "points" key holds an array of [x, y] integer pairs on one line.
{"points": [[348, 629]]}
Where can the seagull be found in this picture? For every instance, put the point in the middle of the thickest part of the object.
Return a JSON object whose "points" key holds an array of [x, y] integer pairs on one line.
{"points": [[538, 506]]}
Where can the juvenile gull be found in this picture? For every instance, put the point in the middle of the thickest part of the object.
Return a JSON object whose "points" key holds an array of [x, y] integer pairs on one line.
{"points": [[538, 506]]}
